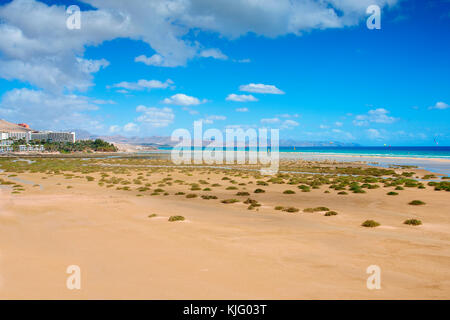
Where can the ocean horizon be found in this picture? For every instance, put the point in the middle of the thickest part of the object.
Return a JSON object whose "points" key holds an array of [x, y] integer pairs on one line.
{"points": [[439, 152]]}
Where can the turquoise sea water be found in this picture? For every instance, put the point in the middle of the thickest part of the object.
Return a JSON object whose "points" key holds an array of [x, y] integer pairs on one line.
{"points": [[408, 152]]}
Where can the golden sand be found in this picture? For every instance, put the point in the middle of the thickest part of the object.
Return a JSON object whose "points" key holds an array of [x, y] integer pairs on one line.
{"points": [[221, 251]]}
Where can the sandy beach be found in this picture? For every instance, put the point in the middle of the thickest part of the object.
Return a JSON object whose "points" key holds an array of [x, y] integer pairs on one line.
{"points": [[220, 251]]}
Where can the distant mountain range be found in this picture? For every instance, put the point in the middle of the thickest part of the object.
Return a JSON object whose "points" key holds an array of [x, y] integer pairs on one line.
{"points": [[164, 141]]}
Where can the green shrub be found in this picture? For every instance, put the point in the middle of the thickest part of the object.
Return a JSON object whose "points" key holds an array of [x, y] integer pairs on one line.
{"points": [[370, 224], [316, 209], [253, 203], [207, 197], [152, 215], [207, 189], [304, 188], [226, 201], [250, 201], [290, 209], [288, 192], [279, 208], [259, 191], [191, 195], [231, 188], [399, 188], [176, 218], [89, 178], [443, 185], [242, 193], [331, 213], [392, 193], [413, 222], [411, 184], [416, 203], [180, 193], [342, 193]]}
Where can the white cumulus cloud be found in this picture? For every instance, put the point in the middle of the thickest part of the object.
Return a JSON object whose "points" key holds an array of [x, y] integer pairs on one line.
{"points": [[155, 117], [260, 88], [379, 115], [181, 99], [440, 105], [43, 110], [143, 84], [213, 53], [241, 97]]}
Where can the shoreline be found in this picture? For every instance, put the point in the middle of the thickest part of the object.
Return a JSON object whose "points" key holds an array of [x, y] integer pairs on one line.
{"points": [[446, 160]]}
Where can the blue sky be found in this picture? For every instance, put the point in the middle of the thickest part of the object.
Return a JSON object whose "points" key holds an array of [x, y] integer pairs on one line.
{"points": [[314, 72]]}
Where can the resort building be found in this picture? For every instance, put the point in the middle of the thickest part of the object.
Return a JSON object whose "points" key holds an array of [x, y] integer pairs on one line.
{"points": [[19, 131], [14, 131], [53, 136], [4, 136], [10, 132]]}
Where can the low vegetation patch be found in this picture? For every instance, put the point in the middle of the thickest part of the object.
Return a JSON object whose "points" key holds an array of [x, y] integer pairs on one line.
{"points": [[316, 209], [288, 192], [226, 201], [331, 213], [290, 209], [413, 222], [416, 203], [259, 191], [392, 193], [207, 197], [304, 188], [252, 204], [370, 224], [176, 218], [191, 195]]}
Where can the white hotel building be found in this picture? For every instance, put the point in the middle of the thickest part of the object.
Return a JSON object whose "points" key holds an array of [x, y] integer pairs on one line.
{"points": [[11, 131], [52, 136]]}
